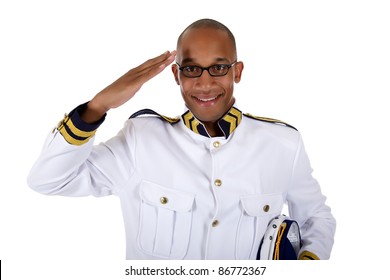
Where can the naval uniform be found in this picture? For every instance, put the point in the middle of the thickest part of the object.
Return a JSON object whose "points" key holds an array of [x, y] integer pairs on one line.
{"points": [[184, 194]]}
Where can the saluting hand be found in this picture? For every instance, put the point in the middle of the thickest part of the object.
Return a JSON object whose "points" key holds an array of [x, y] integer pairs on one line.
{"points": [[123, 89]]}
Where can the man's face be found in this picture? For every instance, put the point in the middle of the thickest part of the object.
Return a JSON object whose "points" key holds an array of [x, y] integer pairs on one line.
{"points": [[208, 98]]}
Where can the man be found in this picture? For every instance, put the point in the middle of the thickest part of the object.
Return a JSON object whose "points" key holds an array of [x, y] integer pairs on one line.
{"points": [[201, 186]]}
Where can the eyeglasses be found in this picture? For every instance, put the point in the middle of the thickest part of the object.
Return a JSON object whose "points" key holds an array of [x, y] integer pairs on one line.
{"points": [[216, 70]]}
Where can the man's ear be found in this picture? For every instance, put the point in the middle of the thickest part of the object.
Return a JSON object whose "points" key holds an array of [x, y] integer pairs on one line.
{"points": [[238, 68], [175, 72]]}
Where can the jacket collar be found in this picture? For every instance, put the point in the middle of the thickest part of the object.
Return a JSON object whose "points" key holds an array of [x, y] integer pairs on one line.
{"points": [[228, 123]]}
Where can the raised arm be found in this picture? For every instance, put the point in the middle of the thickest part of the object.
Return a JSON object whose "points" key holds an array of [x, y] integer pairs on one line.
{"points": [[123, 89], [69, 164]]}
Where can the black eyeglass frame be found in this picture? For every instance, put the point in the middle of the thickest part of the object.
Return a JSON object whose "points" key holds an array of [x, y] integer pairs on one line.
{"points": [[181, 68]]}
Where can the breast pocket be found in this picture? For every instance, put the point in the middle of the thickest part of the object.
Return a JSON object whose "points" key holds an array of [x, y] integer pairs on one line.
{"points": [[256, 212], [165, 221]]}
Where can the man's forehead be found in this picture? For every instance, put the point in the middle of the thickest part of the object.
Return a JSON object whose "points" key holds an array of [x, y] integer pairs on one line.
{"points": [[200, 44], [200, 33]]}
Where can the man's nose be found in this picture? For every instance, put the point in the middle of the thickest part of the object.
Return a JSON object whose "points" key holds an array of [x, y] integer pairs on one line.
{"points": [[205, 79]]}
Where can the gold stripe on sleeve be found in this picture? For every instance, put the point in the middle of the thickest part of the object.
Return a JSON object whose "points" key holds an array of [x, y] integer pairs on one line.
{"points": [[306, 255], [72, 140], [77, 131], [83, 135]]}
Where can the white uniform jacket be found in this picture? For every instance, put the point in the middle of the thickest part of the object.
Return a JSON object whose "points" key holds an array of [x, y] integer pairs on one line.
{"points": [[185, 195]]}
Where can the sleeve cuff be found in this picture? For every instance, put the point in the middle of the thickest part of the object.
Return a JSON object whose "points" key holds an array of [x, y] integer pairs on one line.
{"points": [[306, 255], [74, 130]]}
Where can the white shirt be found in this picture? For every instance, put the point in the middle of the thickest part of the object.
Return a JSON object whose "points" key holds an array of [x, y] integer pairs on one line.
{"points": [[189, 196]]}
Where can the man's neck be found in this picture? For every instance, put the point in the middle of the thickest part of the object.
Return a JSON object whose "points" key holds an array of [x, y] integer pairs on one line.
{"points": [[213, 129]]}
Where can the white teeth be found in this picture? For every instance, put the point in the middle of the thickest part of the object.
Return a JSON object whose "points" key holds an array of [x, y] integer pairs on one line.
{"points": [[209, 99]]}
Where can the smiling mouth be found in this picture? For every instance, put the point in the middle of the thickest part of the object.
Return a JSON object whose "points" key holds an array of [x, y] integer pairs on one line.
{"points": [[206, 100]]}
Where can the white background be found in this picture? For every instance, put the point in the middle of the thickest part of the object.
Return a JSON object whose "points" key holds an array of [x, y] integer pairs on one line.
{"points": [[322, 66]]}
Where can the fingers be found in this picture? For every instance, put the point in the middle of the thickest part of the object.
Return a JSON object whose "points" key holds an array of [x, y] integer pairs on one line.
{"points": [[166, 57], [155, 65], [124, 88], [152, 67], [169, 58]]}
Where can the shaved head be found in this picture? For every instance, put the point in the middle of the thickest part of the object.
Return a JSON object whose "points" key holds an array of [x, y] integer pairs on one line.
{"points": [[208, 23]]}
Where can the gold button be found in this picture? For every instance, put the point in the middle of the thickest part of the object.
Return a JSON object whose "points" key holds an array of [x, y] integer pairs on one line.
{"points": [[266, 208], [215, 223], [218, 182], [164, 200], [216, 144]]}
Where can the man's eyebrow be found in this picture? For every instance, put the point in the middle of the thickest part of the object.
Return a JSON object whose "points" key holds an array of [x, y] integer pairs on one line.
{"points": [[187, 60], [222, 59], [216, 60]]}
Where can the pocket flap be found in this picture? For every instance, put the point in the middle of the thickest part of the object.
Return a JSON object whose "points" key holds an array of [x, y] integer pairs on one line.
{"points": [[264, 204], [171, 199]]}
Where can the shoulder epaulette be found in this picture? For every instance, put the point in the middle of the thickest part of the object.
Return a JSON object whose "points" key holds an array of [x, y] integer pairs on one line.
{"points": [[269, 120], [149, 112]]}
